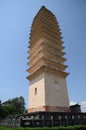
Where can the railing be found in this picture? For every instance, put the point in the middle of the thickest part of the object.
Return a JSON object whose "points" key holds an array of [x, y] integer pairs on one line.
{"points": [[43, 119]]}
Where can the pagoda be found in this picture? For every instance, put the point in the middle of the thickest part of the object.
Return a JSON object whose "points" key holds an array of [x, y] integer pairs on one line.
{"points": [[47, 76]]}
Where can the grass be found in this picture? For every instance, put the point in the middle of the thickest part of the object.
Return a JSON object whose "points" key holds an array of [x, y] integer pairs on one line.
{"points": [[5, 128], [78, 127]]}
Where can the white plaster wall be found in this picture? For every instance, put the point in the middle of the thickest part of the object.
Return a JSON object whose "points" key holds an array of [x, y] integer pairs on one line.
{"points": [[38, 99], [56, 96], [47, 93]]}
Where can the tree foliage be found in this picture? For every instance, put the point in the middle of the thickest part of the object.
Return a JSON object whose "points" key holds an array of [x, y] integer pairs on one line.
{"points": [[12, 106]]}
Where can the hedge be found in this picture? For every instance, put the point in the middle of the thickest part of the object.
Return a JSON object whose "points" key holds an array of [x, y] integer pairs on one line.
{"points": [[78, 127]]}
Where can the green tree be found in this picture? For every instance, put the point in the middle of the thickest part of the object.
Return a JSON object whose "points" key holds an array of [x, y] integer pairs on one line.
{"points": [[2, 112], [19, 104], [13, 106], [0, 108]]}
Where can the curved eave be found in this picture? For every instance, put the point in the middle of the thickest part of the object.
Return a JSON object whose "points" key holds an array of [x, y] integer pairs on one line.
{"points": [[46, 69]]}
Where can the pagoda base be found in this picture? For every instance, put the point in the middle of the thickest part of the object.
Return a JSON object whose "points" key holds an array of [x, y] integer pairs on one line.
{"points": [[49, 109]]}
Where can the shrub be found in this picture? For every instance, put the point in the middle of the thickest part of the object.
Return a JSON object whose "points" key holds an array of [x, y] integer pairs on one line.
{"points": [[78, 127]]}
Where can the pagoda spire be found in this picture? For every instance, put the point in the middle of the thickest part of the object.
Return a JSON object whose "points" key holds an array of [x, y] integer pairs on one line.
{"points": [[46, 45]]}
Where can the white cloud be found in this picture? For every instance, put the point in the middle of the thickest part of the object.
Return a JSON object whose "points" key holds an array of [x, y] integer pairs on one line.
{"points": [[72, 103], [83, 106]]}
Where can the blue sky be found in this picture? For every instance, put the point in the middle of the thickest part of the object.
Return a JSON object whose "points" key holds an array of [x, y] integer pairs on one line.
{"points": [[15, 21]]}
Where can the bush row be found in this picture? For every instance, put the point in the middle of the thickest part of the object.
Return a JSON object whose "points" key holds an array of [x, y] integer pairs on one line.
{"points": [[78, 127]]}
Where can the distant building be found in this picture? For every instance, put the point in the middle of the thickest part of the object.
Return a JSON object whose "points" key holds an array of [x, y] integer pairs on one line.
{"points": [[48, 89], [75, 108]]}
